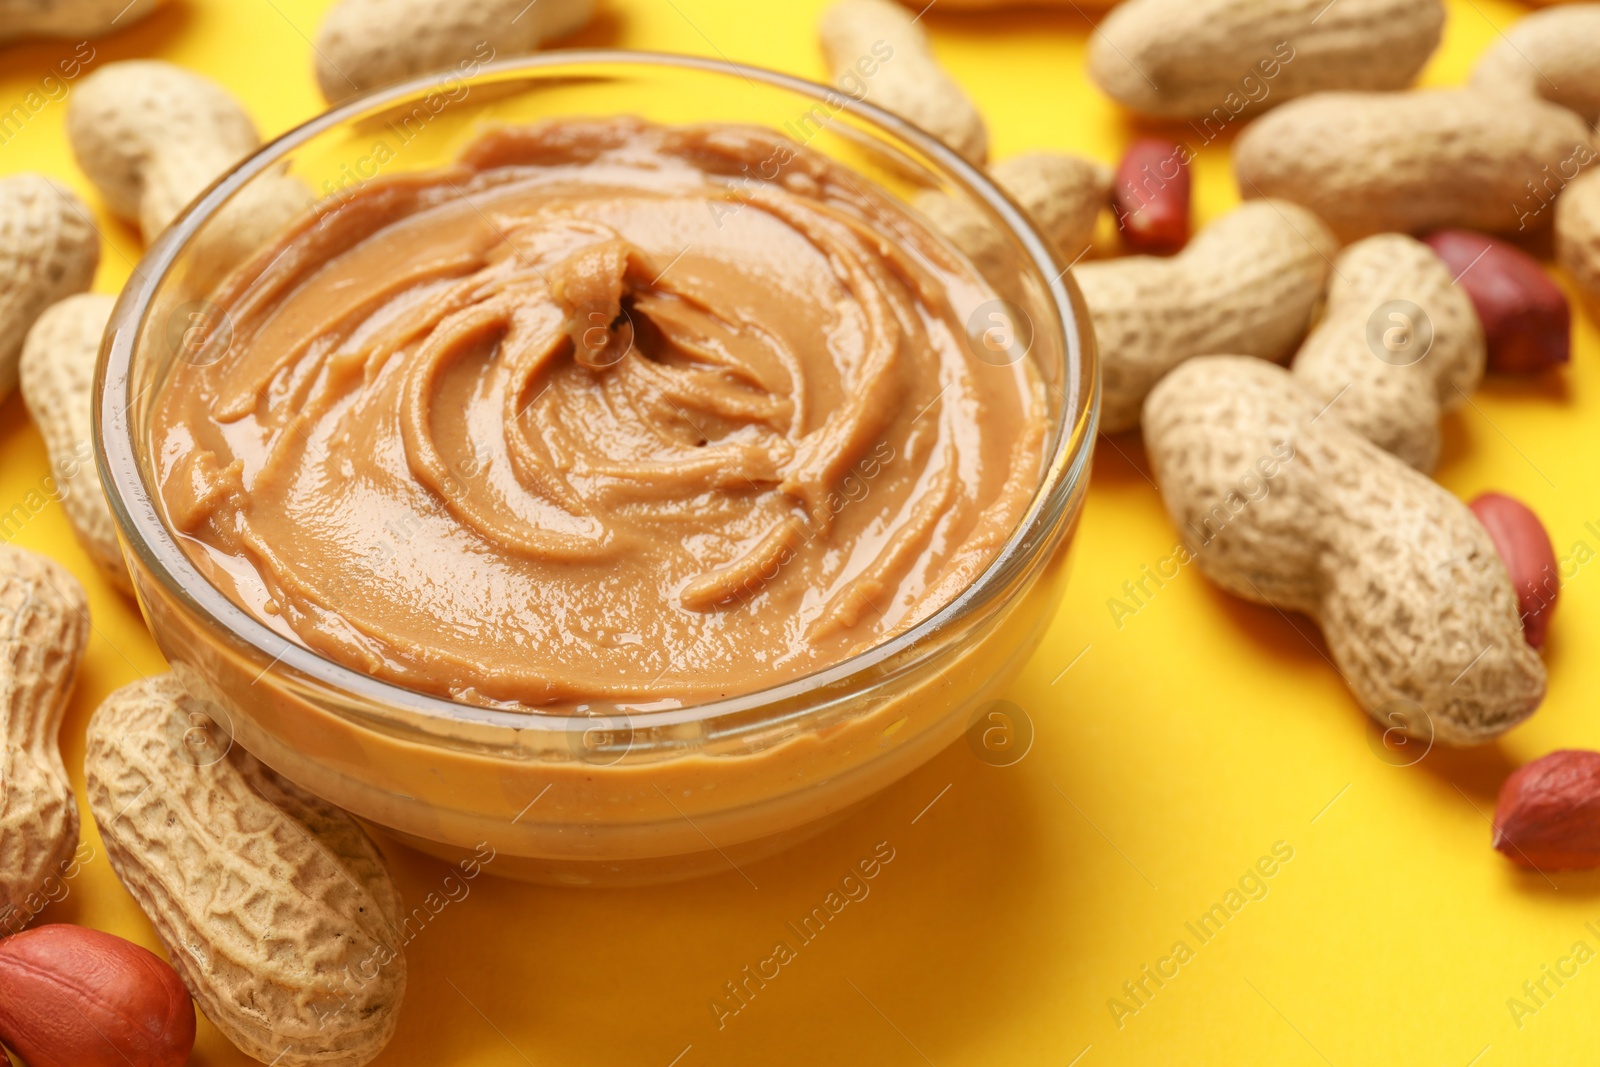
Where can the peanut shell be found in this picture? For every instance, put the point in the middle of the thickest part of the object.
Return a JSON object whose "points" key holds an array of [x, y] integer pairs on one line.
{"points": [[1284, 507], [44, 626], [1552, 54], [1578, 234], [48, 250], [1405, 162], [58, 365], [1062, 194], [152, 136], [70, 18], [1247, 283], [367, 43], [908, 81], [1385, 376], [1220, 59], [275, 907]]}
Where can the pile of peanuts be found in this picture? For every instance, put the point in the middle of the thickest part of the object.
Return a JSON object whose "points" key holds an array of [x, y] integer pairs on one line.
{"points": [[1307, 343], [1359, 194], [1310, 339]]}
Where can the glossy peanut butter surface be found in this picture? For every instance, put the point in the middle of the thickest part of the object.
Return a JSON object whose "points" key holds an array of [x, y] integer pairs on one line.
{"points": [[599, 414]]}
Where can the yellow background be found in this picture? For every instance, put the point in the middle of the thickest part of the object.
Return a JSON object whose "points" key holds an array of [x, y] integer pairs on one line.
{"points": [[1171, 752]]}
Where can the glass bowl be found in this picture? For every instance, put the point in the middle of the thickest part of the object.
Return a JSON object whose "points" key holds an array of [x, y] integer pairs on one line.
{"points": [[593, 794]]}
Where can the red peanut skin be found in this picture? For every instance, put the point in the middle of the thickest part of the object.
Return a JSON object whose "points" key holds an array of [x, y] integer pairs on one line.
{"points": [[1524, 547], [1151, 196], [1548, 813], [75, 997], [1526, 318]]}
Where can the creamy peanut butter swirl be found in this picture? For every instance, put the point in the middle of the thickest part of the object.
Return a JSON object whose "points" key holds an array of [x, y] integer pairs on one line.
{"points": [[593, 415]]}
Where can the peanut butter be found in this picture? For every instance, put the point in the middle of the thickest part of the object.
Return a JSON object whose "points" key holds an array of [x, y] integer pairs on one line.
{"points": [[607, 411]]}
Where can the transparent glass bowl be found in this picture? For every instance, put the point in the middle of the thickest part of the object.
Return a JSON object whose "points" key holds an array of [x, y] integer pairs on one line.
{"points": [[591, 795]]}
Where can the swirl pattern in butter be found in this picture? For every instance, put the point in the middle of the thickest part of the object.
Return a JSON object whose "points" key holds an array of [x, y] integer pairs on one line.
{"points": [[605, 411]]}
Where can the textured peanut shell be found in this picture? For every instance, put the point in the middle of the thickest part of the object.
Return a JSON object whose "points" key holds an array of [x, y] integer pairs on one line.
{"points": [[48, 250], [363, 44], [1552, 54], [910, 83], [274, 906], [1191, 58], [1416, 607], [1394, 405], [1375, 162], [57, 383], [151, 136], [1578, 234], [1247, 283], [70, 18], [44, 625], [1062, 194]]}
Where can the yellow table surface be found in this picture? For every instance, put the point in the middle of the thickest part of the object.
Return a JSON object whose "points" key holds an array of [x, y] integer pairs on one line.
{"points": [[1173, 751]]}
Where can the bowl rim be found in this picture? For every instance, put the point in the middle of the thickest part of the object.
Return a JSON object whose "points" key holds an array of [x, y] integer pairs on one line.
{"points": [[142, 525]]}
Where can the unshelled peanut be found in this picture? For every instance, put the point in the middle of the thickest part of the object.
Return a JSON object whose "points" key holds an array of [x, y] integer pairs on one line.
{"points": [[1286, 508], [876, 52], [58, 364], [1554, 54], [48, 250], [1216, 60], [274, 906], [1406, 162], [152, 136], [1062, 194], [44, 625], [75, 997], [1397, 346], [70, 18], [364, 44], [1247, 283], [1578, 234]]}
